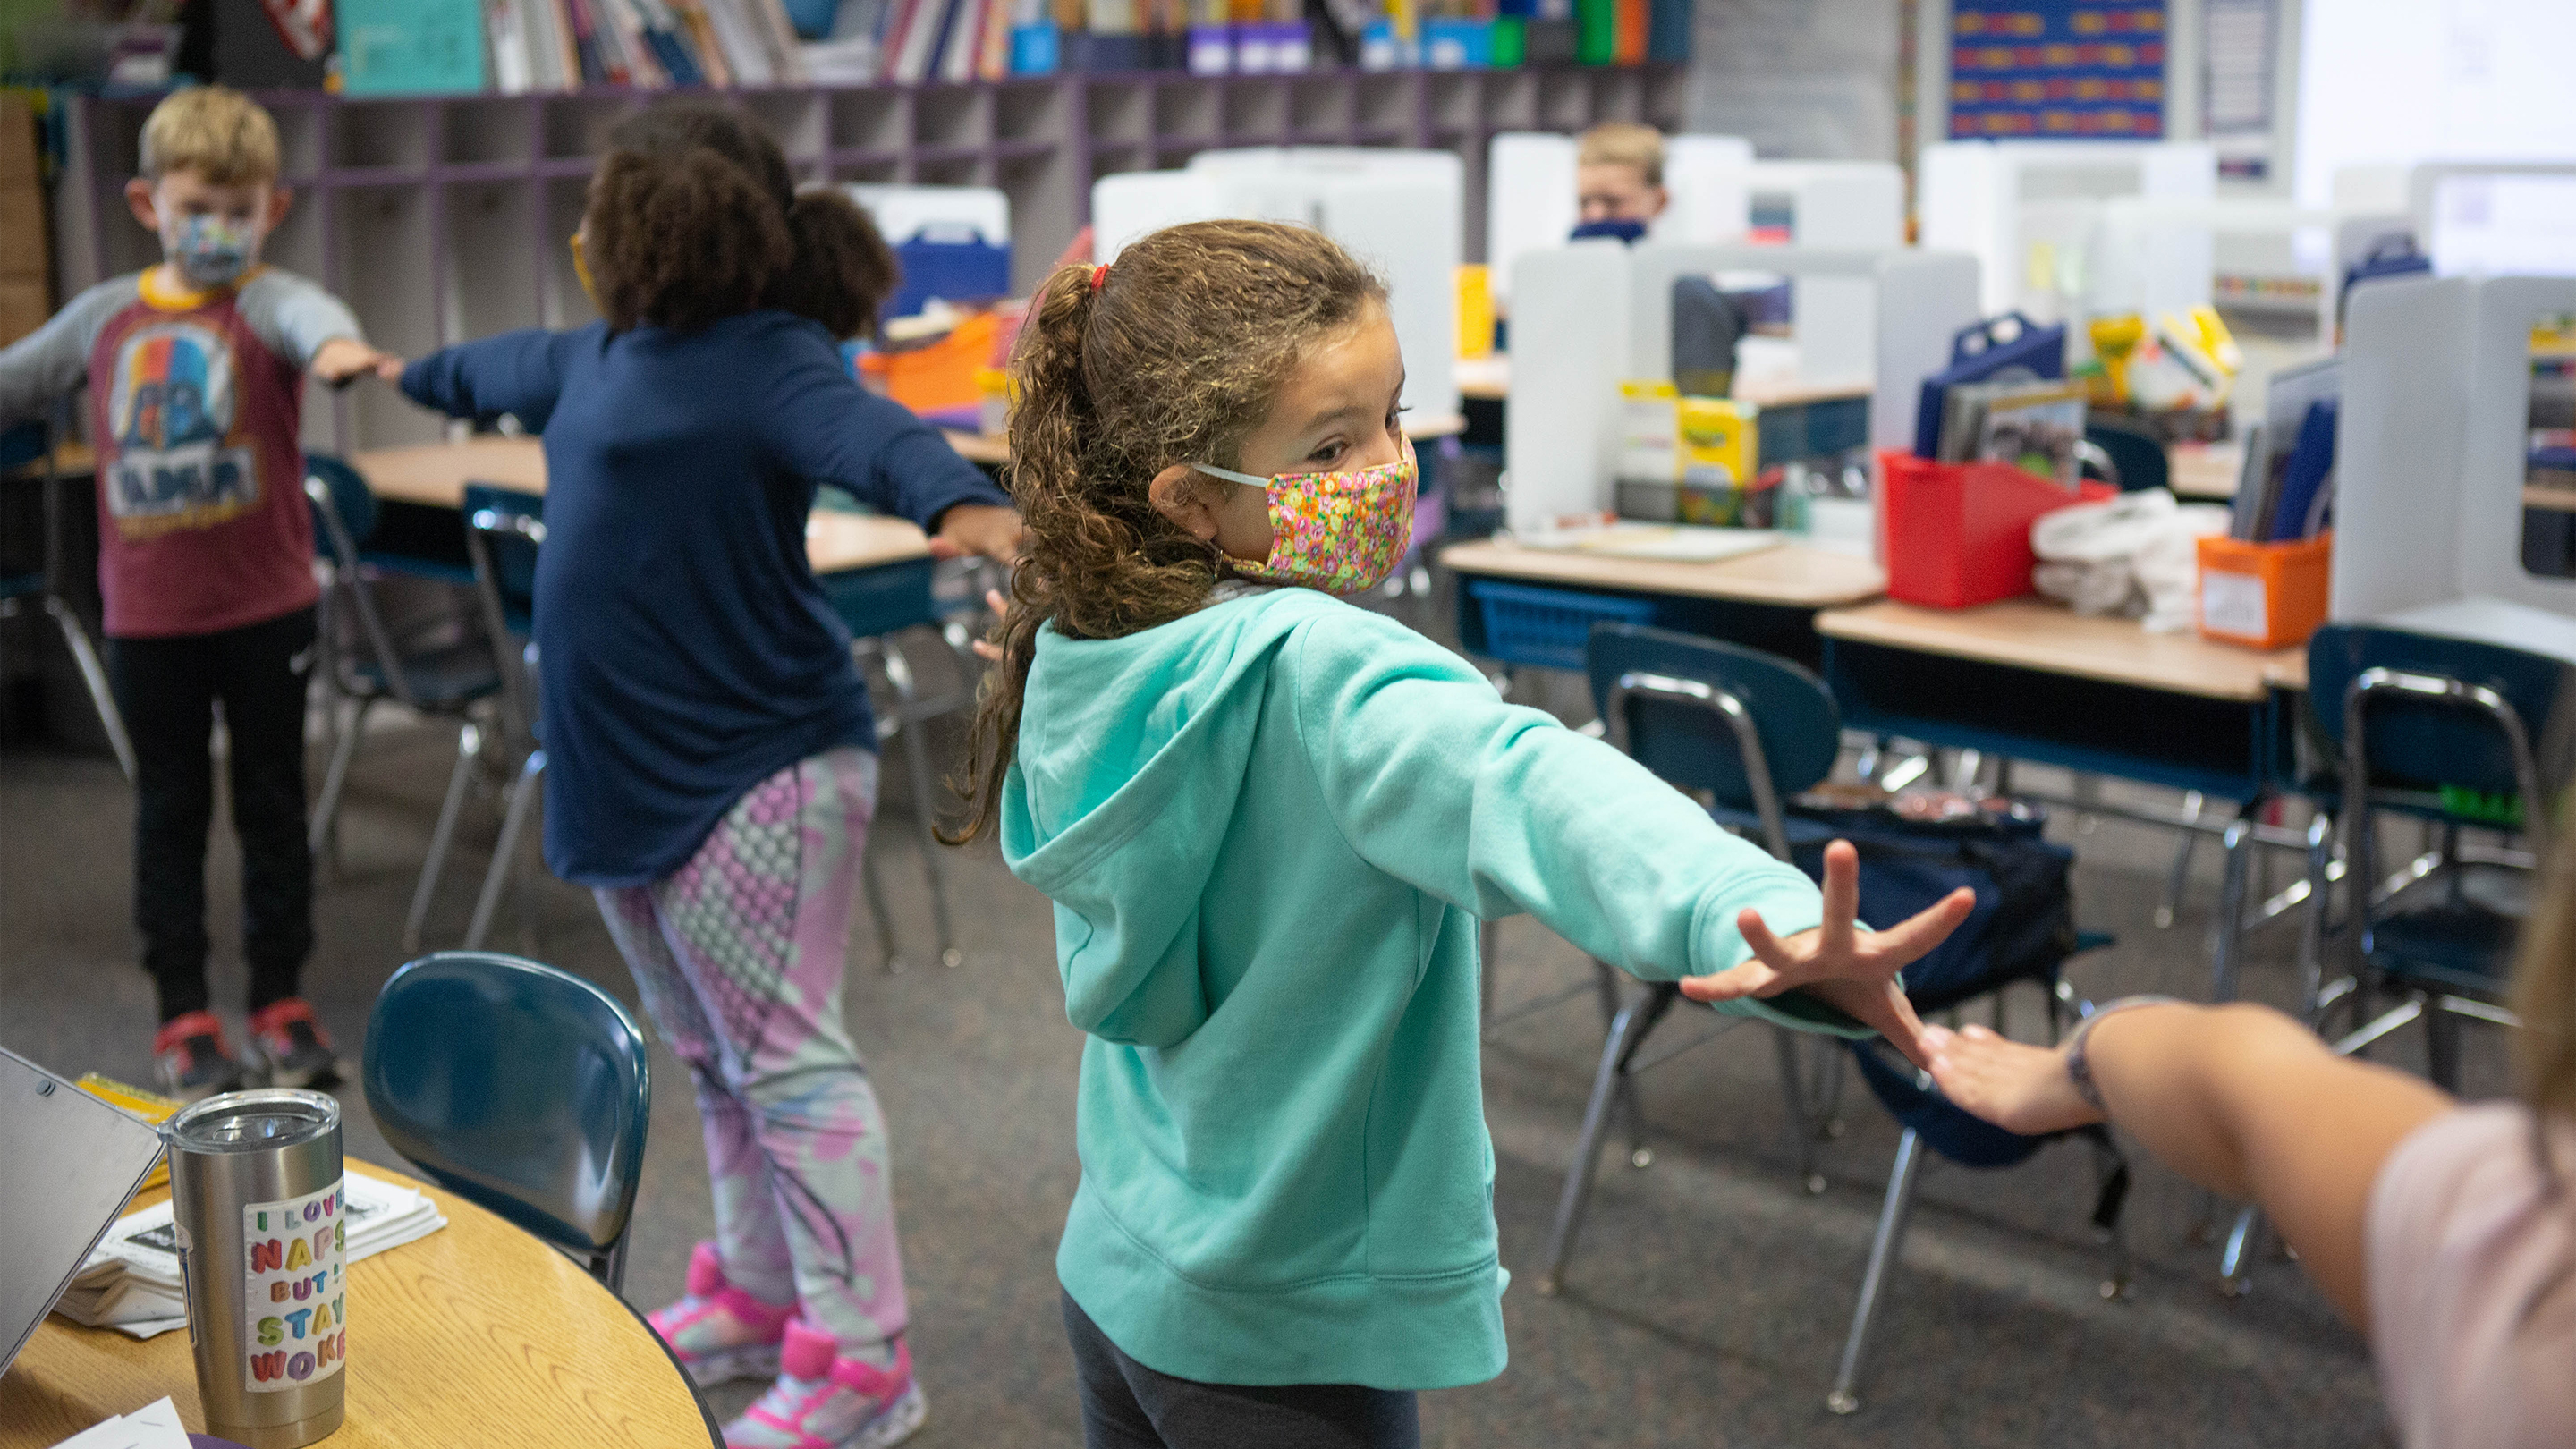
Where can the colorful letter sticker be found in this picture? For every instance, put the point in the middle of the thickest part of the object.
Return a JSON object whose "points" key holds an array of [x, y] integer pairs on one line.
{"points": [[295, 1307]]}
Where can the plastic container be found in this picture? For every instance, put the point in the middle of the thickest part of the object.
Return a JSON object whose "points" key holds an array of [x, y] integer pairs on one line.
{"points": [[1955, 535], [942, 375], [2266, 595], [1548, 627]]}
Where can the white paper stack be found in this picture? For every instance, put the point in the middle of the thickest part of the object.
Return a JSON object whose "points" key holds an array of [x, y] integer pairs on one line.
{"points": [[131, 1281], [154, 1426]]}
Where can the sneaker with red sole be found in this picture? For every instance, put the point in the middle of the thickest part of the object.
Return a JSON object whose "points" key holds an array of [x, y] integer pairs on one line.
{"points": [[719, 1332], [292, 1043], [189, 1054], [825, 1401]]}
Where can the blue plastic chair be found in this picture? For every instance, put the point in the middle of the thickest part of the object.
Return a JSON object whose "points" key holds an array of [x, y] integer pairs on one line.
{"points": [[519, 1087], [2449, 731], [1751, 731], [19, 446], [445, 679], [503, 528]]}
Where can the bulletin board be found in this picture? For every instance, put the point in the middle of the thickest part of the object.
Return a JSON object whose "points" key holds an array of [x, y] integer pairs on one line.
{"points": [[2057, 69]]}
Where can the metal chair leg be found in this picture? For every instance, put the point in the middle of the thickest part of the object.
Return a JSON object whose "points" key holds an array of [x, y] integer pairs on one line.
{"points": [[323, 835], [1883, 1246], [94, 679], [2181, 872], [2238, 843], [469, 753], [1605, 980], [505, 852], [2235, 1262], [924, 801], [1793, 1093], [2442, 1046], [877, 908], [1627, 1033], [610, 1267]]}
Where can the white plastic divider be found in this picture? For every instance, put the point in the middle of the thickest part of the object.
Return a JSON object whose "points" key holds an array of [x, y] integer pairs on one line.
{"points": [[1595, 314], [1400, 211], [1710, 179], [2430, 445], [1835, 203], [903, 211], [2006, 201], [1530, 194], [1570, 347]]}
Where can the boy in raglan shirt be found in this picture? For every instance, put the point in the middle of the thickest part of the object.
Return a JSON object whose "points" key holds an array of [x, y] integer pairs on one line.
{"points": [[196, 379]]}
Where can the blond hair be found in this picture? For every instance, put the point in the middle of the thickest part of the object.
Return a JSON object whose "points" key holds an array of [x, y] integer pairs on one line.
{"points": [[1624, 143], [218, 133], [1172, 355]]}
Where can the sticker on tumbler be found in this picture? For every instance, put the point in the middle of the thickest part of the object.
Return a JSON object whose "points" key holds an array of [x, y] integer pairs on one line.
{"points": [[294, 1311]]}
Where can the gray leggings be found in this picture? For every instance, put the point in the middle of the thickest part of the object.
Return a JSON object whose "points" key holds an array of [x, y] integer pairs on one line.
{"points": [[1126, 1405]]}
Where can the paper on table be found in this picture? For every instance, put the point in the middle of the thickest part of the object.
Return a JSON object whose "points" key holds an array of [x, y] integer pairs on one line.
{"points": [[131, 1280], [154, 1426], [1675, 543]]}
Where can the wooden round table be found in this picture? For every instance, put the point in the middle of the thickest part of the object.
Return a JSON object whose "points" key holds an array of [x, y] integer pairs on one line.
{"points": [[476, 1334]]}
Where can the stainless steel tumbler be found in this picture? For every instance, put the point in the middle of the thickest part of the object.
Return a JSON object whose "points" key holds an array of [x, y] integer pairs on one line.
{"points": [[256, 1196]]}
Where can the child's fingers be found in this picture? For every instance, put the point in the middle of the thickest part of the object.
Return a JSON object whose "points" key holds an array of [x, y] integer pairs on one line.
{"points": [[994, 601], [1759, 939], [944, 547], [1842, 891], [1910, 939], [1751, 978]]}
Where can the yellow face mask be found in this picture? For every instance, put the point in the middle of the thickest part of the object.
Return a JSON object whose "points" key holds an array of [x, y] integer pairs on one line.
{"points": [[581, 269]]}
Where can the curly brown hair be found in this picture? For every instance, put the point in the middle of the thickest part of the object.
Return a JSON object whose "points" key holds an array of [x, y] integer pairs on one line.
{"points": [[1171, 355], [709, 251]]}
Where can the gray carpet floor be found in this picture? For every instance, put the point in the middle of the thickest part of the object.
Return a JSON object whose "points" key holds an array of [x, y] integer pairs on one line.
{"points": [[1709, 1297]]}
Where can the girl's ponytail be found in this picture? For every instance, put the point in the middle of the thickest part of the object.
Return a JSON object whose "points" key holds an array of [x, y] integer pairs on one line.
{"points": [[842, 272]]}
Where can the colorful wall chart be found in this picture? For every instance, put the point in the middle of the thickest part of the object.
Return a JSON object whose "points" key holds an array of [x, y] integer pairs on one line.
{"points": [[2057, 69]]}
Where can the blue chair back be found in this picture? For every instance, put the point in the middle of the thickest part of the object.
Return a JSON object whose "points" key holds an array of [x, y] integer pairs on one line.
{"points": [[1794, 716], [505, 527], [523, 1088], [2138, 455], [348, 497], [2419, 743]]}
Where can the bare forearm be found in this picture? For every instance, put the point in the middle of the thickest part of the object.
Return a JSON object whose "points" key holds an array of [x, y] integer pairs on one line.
{"points": [[2248, 1102]]}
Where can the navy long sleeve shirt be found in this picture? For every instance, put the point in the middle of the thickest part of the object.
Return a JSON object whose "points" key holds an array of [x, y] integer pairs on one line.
{"points": [[685, 650]]}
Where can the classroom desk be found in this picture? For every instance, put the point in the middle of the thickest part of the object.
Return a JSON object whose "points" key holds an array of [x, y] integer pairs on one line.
{"points": [[476, 1334], [1767, 600], [2031, 681], [434, 475]]}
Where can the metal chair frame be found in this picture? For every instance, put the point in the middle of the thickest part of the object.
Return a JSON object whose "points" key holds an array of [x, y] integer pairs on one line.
{"points": [[49, 597], [519, 719]]}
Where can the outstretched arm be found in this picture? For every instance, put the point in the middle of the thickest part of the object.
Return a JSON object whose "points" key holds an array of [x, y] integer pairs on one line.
{"points": [[2240, 1099]]}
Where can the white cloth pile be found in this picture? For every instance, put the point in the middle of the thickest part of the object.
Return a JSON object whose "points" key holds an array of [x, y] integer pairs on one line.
{"points": [[2137, 556], [131, 1280]]}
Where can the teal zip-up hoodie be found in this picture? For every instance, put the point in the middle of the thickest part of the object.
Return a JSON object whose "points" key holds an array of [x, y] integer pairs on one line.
{"points": [[1269, 829]]}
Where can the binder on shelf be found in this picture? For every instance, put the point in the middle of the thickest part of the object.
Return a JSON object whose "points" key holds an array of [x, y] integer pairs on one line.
{"points": [[1978, 355], [410, 47]]}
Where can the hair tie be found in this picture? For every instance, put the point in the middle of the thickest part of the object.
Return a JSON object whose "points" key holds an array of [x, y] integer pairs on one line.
{"points": [[1099, 274]]}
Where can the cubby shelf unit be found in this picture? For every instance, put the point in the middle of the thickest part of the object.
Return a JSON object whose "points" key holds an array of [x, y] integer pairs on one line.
{"points": [[443, 218]]}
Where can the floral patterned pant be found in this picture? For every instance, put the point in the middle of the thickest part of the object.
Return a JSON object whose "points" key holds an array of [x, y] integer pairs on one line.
{"points": [[739, 955]]}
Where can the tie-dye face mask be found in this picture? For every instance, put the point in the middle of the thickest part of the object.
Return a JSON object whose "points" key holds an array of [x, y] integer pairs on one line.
{"points": [[1338, 532], [211, 251]]}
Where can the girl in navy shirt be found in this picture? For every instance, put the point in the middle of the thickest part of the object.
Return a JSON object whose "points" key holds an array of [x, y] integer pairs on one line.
{"points": [[710, 757]]}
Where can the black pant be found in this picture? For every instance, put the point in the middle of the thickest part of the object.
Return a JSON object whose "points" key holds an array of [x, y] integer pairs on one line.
{"points": [[1126, 1405], [167, 690]]}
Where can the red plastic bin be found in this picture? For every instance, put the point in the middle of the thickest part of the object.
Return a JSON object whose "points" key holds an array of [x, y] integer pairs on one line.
{"points": [[1958, 534]]}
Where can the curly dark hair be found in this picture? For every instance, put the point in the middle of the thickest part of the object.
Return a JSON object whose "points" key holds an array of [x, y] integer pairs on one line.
{"points": [[679, 241], [837, 270], [1173, 354]]}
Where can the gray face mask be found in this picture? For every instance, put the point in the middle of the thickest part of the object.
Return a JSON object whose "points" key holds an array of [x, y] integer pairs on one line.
{"points": [[210, 251]]}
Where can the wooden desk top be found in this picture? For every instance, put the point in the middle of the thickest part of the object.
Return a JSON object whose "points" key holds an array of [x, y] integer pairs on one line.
{"points": [[476, 1334], [1488, 377], [2035, 634], [435, 475], [72, 458], [1791, 574], [2204, 472]]}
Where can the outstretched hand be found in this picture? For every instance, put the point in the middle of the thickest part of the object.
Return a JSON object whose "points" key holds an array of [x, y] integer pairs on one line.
{"points": [[987, 529], [343, 360], [1839, 964]]}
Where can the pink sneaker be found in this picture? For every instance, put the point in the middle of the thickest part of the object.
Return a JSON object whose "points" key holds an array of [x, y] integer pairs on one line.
{"points": [[824, 1401], [719, 1332]]}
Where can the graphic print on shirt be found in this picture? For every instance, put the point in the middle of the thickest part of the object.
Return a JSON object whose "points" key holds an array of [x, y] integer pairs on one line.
{"points": [[171, 407]]}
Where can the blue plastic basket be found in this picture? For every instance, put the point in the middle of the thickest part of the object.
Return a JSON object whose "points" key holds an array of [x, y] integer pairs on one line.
{"points": [[1548, 627]]}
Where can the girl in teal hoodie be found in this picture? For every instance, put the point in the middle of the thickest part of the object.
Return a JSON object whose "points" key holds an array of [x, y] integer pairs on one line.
{"points": [[1270, 822]]}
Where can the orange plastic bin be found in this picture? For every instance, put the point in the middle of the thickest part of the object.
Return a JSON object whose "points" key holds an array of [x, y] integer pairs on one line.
{"points": [[2267, 595]]}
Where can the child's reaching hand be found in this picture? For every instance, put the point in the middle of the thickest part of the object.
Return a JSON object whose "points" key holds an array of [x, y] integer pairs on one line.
{"points": [[342, 359], [1839, 965], [978, 529]]}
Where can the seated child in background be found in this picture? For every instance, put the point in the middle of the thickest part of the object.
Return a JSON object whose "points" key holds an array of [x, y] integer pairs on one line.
{"points": [[1619, 180], [196, 393], [1270, 821], [711, 763]]}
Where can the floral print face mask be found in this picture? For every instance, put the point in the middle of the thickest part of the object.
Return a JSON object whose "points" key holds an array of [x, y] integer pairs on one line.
{"points": [[1338, 532]]}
